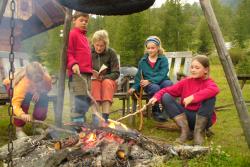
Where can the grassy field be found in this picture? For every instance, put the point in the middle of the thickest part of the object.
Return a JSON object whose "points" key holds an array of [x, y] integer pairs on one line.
{"points": [[228, 145]]}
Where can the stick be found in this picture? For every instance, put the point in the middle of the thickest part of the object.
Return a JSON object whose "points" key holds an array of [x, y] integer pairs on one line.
{"points": [[129, 115], [49, 125]]}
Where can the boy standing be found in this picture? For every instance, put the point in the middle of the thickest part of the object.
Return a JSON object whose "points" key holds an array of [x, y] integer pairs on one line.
{"points": [[79, 65]]}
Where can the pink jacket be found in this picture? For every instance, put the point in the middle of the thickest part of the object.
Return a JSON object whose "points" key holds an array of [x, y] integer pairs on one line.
{"points": [[79, 51], [201, 89]]}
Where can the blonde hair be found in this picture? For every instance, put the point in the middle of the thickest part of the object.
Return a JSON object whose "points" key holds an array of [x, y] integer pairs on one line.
{"points": [[34, 71], [156, 40], [101, 35], [78, 14]]}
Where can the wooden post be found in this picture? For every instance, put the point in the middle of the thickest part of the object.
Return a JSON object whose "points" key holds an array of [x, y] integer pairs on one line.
{"points": [[228, 68], [3, 5], [62, 73]]}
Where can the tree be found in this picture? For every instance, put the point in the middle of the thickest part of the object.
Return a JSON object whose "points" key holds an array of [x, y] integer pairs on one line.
{"points": [[33, 45], [177, 26], [133, 34], [205, 38], [50, 55], [224, 15], [242, 23]]}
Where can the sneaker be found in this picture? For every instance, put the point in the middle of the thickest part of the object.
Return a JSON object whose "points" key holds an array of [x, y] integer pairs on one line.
{"points": [[20, 134], [157, 114], [160, 118]]}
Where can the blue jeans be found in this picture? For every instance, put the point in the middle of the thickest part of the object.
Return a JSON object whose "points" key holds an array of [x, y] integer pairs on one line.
{"points": [[79, 100], [173, 108], [152, 88]]}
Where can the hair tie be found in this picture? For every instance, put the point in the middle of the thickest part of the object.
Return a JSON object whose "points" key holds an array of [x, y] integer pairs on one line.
{"points": [[154, 40]]}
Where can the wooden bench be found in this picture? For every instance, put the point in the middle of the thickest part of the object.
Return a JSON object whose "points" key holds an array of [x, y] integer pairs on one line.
{"points": [[244, 78], [179, 63]]}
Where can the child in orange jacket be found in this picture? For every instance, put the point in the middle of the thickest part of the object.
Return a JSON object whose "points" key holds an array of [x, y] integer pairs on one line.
{"points": [[31, 83]]}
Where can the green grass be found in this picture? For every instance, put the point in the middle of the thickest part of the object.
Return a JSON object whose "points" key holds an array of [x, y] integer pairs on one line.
{"points": [[229, 147]]}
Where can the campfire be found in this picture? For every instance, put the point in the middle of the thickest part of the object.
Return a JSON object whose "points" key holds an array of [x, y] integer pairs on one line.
{"points": [[113, 145]]}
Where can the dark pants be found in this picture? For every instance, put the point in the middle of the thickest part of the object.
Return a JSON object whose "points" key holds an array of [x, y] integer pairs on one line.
{"points": [[40, 108], [173, 108], [152, 88], [79, 100]]}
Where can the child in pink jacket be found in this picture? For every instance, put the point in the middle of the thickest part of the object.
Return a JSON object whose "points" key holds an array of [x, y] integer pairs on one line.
{"points": [[197, 100]]}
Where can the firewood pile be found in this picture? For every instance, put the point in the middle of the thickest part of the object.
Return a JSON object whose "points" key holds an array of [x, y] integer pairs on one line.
{"points": [[95, 147]]}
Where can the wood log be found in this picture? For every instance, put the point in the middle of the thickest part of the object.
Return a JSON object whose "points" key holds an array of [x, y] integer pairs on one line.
{"points": [[187, 152], [22, 146], [141, 140], [34, 152]]}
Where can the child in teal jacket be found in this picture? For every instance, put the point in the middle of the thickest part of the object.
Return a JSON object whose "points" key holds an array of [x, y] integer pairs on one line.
{"points": [[152, 73]]}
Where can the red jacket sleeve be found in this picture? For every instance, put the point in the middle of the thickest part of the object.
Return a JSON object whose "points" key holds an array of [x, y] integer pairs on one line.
{"points": [[174, 90], [71, 50], [210, 90]]}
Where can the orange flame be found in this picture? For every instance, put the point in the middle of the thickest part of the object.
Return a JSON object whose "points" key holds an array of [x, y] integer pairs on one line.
{"points": [[91, 137], [111, 125]]}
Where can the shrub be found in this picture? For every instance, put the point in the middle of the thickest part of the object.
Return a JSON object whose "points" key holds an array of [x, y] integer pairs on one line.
{"points": [[236, 55], [243, 67]]}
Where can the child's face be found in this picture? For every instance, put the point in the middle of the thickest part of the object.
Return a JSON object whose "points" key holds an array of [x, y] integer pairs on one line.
{"points": [[152, 49], [99, 46], [197, 70], [81, 22]]}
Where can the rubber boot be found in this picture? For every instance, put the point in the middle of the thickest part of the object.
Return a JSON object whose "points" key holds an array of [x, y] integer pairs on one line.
{"points": [[181, 121], [200, 125]]}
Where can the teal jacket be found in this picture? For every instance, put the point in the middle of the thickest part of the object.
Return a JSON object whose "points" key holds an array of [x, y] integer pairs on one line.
{"points": [[155, 75]]}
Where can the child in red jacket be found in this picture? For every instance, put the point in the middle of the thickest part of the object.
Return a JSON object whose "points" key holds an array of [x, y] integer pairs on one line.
{"points": [[197, 100], [79, 64]]}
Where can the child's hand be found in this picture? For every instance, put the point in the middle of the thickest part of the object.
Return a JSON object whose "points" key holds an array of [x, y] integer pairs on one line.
{"points": [[152, 101], [76, 69], [144, 83], [188, 100], [131, 91], [26, 117]]}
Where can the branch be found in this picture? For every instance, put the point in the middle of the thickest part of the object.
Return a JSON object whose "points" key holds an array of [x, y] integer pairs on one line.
{"points": [[49, 125], [129, 115]]}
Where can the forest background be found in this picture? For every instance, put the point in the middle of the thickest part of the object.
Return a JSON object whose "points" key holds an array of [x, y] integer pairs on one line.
{"points": [[181, 27]]}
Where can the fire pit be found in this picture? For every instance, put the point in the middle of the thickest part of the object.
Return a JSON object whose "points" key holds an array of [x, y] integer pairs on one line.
{"points": [[95, 147]]}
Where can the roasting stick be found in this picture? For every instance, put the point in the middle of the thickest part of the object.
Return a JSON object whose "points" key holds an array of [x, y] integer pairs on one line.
{"points": [[140, 103], [139, 111], [49, 125], [96, 106]]}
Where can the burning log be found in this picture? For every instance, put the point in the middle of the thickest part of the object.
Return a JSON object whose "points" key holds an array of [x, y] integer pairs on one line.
{"points": [[101, 146], [72, 140]]}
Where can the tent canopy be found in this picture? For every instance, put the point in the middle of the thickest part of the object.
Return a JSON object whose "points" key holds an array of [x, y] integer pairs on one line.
{"points": [[108, 7]]}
